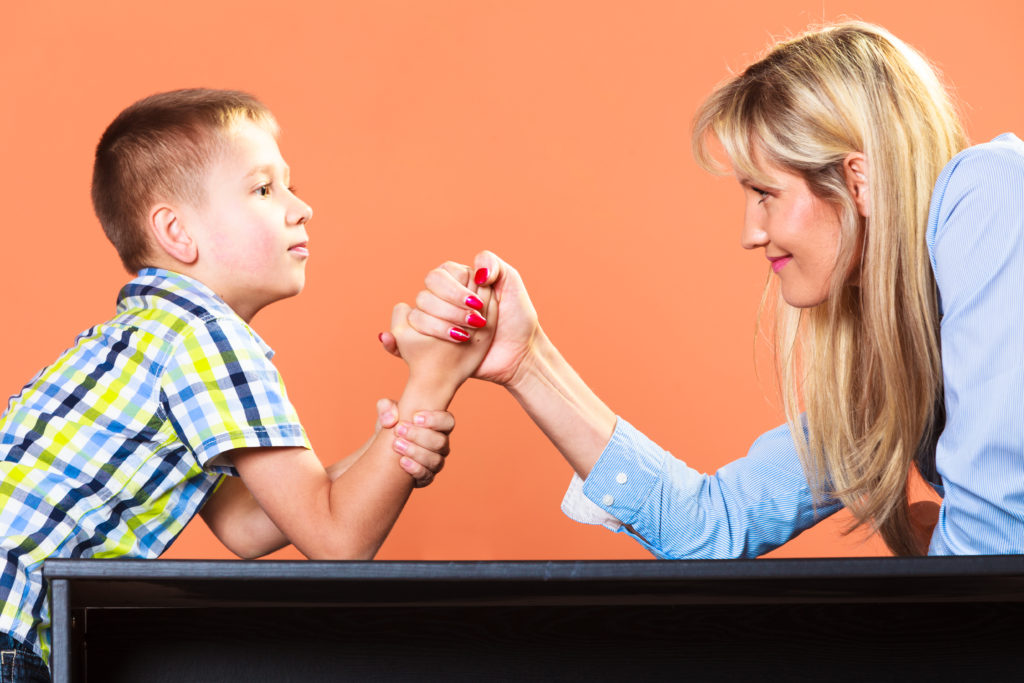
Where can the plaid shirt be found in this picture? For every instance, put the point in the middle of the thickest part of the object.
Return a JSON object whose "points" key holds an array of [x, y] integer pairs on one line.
{"points": [[111, 450]]}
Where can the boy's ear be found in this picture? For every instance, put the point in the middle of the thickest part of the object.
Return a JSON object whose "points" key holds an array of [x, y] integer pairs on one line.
{"points": [[855, 169], [171, 235]]}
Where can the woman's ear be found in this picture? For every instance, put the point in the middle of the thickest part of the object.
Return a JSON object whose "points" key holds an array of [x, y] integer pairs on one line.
{"points": [[855, 170], [170, 234]]}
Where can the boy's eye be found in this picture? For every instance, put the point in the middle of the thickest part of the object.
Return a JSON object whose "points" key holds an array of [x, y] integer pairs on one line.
{"points": [[263, 190]]}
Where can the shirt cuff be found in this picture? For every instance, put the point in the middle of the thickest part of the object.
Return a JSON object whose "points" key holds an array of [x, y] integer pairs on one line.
{"points": [[620, 483], [210, 453], [630, 467], [579, 508]]}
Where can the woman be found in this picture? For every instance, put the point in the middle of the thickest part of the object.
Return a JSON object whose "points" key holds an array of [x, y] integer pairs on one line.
{"points": [[899, 258]]}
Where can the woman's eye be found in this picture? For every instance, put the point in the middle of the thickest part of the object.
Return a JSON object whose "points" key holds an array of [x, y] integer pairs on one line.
{"points": [[764, 195]]}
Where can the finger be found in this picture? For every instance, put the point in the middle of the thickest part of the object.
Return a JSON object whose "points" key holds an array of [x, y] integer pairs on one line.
{"points": [[387, 413], [399, 316], [431, 304], [438, 420], [487, 268], [389, 343], [427, 439], [420, 474], [448, 288], [421, 456], [439, 329], [462, 274], [428, 459]]}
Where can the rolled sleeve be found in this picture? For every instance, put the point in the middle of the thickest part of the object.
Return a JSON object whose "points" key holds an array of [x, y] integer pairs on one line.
{"points": [[628, 471], [747, 508]]}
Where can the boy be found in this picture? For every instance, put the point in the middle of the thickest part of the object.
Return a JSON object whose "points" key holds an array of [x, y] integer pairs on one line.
{"points": [[111, 450]]}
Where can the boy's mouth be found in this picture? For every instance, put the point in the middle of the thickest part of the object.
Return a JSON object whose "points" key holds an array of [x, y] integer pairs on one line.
{"points": [[300, 249]]}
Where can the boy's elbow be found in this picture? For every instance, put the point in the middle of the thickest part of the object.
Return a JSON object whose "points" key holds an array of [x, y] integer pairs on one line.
{"points": [[248, 553], [245, 548], [345, 548]]}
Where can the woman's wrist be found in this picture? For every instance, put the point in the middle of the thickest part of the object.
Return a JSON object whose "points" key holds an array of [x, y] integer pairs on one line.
{"points": [[534, 364]]}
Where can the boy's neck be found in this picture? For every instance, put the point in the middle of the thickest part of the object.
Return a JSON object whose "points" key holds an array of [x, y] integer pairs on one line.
{"points": [[246, 314]]}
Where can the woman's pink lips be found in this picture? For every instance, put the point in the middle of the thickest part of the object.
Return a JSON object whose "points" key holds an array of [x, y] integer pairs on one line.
{"points": [[780, 263], [301, 249]]}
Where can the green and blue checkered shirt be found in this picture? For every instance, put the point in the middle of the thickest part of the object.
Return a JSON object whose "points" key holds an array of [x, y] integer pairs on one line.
{"points": [[111, 450]]}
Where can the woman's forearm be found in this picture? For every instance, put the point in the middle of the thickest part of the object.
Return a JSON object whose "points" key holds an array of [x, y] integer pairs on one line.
{"points": [[557, 399]]}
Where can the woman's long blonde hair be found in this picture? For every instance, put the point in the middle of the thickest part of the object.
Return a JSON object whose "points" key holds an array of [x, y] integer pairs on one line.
{"points": [[866, 363]]}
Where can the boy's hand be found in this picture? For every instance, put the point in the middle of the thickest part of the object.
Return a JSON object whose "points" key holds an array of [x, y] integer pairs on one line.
{"points": [[437, 362], [423, 444], [446, 303]]}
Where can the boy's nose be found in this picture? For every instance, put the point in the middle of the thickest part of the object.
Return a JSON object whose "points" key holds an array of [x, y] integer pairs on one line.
{"points": [[301, 212]]}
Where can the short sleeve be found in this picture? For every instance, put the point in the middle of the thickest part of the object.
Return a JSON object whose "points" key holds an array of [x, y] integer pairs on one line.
{"points": [[221, 392]]}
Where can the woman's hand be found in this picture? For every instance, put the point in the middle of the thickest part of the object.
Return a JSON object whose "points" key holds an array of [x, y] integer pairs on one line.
{"points": [[445, 310]]}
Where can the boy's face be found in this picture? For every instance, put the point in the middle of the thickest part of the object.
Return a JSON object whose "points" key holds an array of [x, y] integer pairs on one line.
{"points": [[251, 230]]}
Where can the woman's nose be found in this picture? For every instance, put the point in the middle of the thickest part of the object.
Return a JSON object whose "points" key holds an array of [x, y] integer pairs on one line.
{"points": [[754, 235]]}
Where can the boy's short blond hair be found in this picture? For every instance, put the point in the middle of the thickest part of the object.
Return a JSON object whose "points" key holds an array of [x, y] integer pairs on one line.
{"points": [[158, 150]]}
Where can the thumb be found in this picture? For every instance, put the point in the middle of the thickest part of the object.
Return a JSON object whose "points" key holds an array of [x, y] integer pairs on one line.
{"points": [[389, 343], [487, 268], [399, 317], [387, 414]]}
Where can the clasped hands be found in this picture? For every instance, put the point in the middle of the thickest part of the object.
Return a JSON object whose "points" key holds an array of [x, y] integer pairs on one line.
{"points": [[453, 332]]}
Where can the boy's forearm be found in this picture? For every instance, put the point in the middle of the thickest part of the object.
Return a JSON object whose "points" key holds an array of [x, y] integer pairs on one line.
{"points": [[242, 525], [557, 399], [368, 497]]}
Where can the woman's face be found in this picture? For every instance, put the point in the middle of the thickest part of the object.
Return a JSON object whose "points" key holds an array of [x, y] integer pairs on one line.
{"points": [[798, 230]]}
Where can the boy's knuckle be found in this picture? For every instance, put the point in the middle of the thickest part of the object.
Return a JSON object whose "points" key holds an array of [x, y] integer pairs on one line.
{"points": [[434, 278]]}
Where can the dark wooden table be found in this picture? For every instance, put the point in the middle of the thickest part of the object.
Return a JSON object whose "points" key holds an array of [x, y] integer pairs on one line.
{"points": [[862, 619]]}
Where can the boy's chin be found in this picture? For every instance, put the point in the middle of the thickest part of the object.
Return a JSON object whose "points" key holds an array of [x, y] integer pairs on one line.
{"points": [[295, 290]]}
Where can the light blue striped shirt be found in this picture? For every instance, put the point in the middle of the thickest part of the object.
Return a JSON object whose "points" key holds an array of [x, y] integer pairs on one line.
{"points": [[754, 504]]}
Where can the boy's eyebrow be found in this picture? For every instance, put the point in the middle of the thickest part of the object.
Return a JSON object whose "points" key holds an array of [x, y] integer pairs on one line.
{"points": [[268, 170]]}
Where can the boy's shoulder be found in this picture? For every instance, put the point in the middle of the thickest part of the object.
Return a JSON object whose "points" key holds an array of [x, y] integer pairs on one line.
{"points": [[176, 309]]}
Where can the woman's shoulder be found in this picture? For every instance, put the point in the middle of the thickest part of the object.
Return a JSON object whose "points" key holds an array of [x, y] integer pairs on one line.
{"points": [[991, 174], [988, 161]]}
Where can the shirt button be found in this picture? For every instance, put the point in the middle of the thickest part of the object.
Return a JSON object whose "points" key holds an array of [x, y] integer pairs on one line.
{"points": [[621, 477], [607, 499]]}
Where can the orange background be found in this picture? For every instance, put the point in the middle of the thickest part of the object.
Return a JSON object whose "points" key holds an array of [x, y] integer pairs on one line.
{"points": [[553, 132]]}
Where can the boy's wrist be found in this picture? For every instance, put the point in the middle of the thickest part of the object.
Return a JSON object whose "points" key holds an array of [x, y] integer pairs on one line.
{"points": [[426, 392]]}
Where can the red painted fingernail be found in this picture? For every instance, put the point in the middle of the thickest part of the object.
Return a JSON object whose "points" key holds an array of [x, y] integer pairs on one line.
{"points": [[473, 302], [481, 276], [458, 334], [474, 320], [380, 337]]}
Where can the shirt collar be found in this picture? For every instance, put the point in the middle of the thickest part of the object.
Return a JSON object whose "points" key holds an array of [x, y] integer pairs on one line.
{"points": [[165, 289]]}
